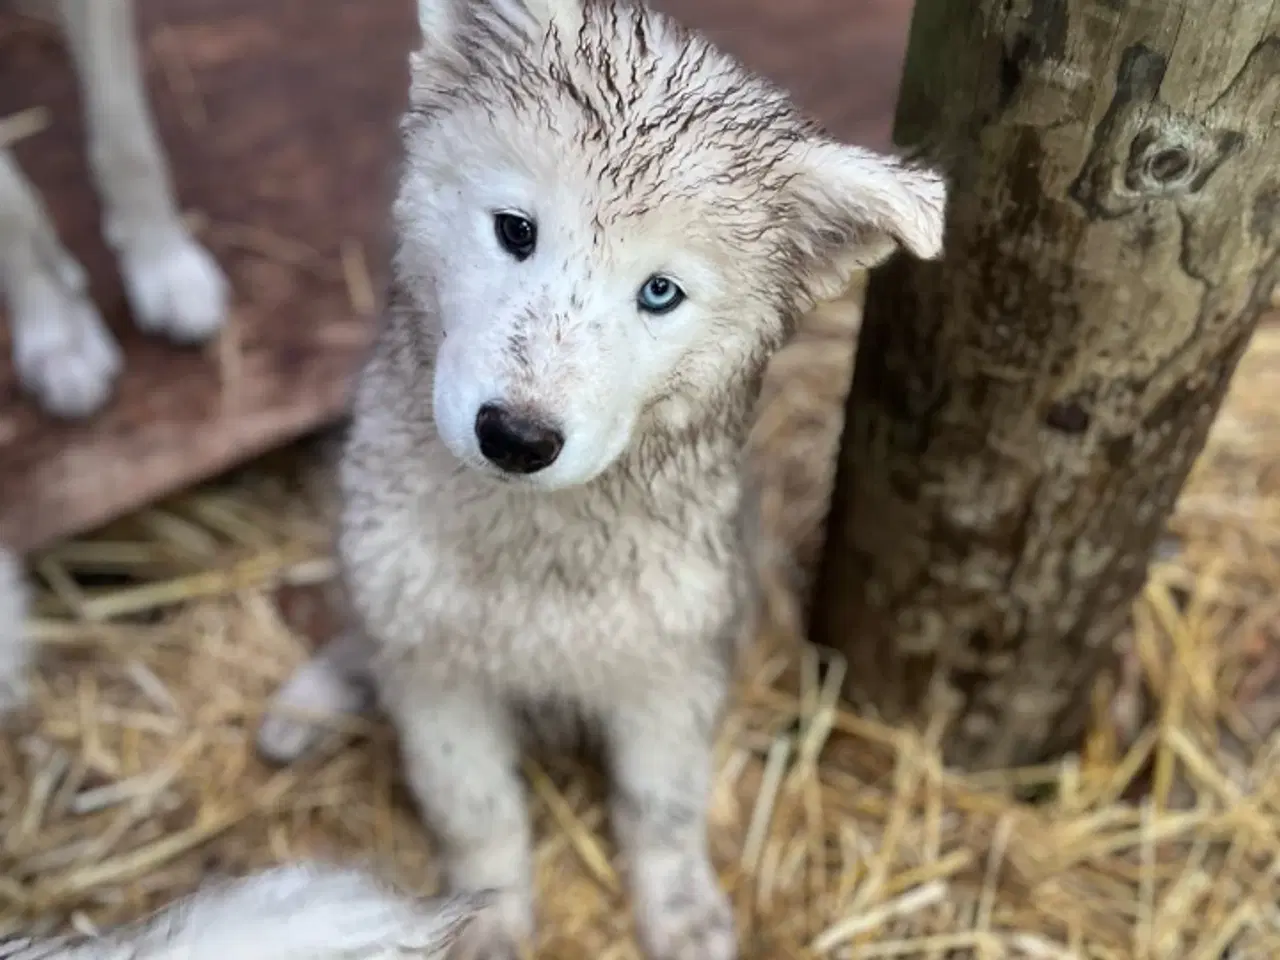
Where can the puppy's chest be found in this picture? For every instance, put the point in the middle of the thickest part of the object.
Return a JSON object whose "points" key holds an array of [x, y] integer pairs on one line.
{"points": [[555, 606]]}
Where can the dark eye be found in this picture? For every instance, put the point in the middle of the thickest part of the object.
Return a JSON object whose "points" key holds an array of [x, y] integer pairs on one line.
{"points": [[517, 234], [659, 295]]}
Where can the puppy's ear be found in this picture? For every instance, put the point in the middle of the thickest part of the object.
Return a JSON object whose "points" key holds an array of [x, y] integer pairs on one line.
{"points": [[851, 208], [444, 22]]}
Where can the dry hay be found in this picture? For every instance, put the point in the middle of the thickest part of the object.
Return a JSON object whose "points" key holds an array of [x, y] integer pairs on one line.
{"points": [[135, 775]]}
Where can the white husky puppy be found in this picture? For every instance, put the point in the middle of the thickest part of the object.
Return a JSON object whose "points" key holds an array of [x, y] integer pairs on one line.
{"points": [[606, 227], [64, 353], [302, 911]]}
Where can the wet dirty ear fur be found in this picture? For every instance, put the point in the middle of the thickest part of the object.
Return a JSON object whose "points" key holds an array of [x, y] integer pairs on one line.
{"points": [[853, 207]]}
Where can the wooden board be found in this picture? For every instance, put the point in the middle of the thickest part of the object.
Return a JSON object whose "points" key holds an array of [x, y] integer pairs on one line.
{"points": [[280, 122], [279, 119]]}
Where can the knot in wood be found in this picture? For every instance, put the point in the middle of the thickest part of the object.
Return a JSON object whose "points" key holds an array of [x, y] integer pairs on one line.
{"points": [[1176, 157], [1162, 162], [1168, 165], [1067, 416]]}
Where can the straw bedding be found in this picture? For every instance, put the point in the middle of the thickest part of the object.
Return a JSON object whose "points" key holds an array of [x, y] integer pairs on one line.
{"points": [[133, 776]]}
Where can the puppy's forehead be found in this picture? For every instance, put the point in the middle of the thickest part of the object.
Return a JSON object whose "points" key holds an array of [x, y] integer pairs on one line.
{"points": [[650, 114]]}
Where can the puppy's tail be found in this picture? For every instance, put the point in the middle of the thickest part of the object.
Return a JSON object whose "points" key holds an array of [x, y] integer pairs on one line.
{"points": [[15, 642]]}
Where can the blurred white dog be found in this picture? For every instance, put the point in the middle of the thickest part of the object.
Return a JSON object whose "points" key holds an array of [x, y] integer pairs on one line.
{"points": [[302, 911]]}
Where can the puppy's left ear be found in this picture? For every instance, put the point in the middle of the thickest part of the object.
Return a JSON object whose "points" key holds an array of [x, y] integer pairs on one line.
{"points": [[851, 208]]}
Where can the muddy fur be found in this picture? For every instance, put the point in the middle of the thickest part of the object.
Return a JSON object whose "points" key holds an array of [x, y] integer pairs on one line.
{"points": [[302, 911], [610, 588]]}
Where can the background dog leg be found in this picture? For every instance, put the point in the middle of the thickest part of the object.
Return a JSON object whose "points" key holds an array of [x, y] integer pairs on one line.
{"points": [[660, 755], [332, 683], [63, 352], [15, 644], [174, 286], [460, 759]]}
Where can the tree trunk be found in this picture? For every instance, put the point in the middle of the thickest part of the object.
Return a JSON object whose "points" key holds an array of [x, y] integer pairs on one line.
{"points": [[1024, 413]]}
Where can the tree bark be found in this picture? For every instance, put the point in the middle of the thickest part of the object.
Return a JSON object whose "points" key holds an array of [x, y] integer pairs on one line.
{"points": [[1025, 411]]}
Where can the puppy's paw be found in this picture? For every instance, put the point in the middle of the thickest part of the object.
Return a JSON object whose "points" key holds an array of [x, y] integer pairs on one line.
{"points": [[63, 352], [682, 913], [296, 716], [174, 285]]}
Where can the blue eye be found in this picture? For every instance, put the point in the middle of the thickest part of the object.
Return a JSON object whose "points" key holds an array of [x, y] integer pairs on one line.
{"points": [[659, 295]]}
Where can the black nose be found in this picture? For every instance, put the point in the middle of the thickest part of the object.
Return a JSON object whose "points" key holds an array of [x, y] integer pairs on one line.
{"points": [[515, 443]]}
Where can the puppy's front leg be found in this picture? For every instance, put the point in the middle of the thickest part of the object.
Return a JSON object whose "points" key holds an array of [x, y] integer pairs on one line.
{"points": [[661, 765], [461, 756]]}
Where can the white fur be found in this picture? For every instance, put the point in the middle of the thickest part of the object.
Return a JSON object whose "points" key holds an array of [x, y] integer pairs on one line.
{"points": [[301, 911], [15, 643], [64, 354], [614, 586]]}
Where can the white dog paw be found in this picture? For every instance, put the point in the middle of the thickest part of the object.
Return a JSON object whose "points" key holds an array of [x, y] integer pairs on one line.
{"points": [[64, 354], [687, 918], [175, 287], [295, 718]]}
